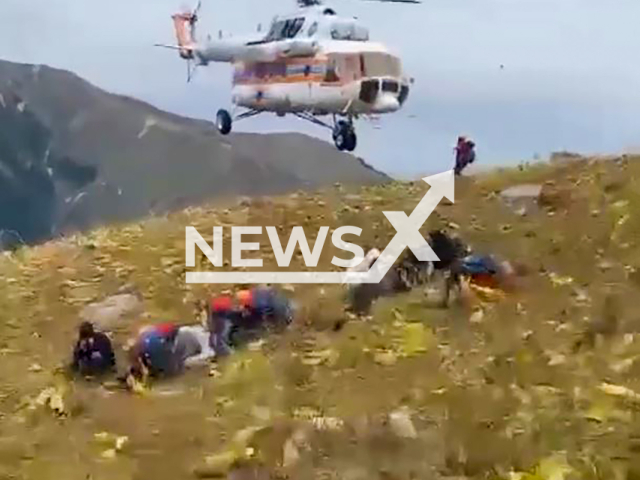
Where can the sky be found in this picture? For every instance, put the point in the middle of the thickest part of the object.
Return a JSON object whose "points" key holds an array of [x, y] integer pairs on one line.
{"points": [[569, 80]]}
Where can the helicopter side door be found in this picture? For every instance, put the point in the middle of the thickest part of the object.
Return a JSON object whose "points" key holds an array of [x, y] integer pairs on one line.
{"points": [[340, 73]]}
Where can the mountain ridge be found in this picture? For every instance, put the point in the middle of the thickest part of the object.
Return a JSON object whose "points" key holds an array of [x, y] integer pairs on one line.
{"points": [[111, 157]]}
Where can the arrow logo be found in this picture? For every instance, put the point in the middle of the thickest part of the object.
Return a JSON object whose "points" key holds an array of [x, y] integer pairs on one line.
{"points": [[408, 230], [407, 235]]}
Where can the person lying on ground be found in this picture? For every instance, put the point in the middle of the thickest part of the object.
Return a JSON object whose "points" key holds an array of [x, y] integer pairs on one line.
{"points": [[247, 316], [484, 271], [191, 347], [93, 353], [165, 350]]}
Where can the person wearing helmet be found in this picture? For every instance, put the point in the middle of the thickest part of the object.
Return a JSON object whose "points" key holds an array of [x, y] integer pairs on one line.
{"points": [[259, 309], [263, 306], [164, 350], [151, 353], [93, 354]]}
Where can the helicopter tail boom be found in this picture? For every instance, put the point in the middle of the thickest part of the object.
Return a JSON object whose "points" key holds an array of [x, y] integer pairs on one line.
{"points": [[183, 24]]}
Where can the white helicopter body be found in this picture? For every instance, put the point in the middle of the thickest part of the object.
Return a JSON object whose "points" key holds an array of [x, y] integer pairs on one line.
{"points": [[310, 64]]}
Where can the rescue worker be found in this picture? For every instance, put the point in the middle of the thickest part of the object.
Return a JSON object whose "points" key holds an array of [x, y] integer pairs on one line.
{"points": [[237, 320], [165, 350], [150, 355], [465, 154], [93, 354], [261, 308]]}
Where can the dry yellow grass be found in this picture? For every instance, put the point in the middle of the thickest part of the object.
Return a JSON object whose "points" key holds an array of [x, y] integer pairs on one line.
{"points": [[491, 394]]}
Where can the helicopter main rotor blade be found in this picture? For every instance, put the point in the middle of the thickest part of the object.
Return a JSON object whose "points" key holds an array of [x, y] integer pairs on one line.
{"points": [[311, 3], [198, 7], [395, 1]]}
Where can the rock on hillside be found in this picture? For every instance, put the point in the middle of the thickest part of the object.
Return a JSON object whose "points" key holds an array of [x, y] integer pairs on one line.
{"points": [[78, 156]]}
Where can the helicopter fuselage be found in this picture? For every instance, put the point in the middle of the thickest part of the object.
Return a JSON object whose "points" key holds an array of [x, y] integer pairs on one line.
{"points": [[310, 64], [344, 77], [312, 61]]}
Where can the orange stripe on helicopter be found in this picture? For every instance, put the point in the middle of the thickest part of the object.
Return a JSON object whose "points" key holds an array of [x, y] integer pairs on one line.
{"points": [[248, 71]]}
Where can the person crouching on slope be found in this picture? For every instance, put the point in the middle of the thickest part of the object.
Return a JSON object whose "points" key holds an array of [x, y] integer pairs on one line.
{"points": [[93, 354], [245, 317]]}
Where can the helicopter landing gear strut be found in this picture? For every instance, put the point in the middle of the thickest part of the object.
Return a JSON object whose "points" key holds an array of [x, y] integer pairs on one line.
{"points": [[342, 131], [224, 120]]}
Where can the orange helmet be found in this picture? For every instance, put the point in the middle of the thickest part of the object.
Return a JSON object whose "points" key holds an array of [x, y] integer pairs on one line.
{"points": [[245, 298]]}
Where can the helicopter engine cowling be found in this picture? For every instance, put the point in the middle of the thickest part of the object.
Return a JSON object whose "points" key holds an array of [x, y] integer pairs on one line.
{"points": [[297, 48], [230, 50]]}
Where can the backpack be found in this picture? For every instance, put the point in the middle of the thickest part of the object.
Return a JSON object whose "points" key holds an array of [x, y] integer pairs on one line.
{"points": [[446, 248], [479, 265]]}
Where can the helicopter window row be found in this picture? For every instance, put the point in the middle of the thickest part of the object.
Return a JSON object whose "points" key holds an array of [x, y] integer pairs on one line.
{"points": [[276, 69], [285, 29]]}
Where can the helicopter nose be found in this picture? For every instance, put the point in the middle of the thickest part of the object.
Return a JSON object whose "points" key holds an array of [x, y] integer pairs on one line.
{"points": [[386, 104]]}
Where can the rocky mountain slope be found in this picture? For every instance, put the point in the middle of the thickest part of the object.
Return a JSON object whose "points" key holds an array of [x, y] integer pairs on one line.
{"points": [[73, 156]]}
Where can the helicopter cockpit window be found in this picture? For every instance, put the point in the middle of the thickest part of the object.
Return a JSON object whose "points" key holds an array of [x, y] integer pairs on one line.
{"points": [[276, 31], [294, 27], [285, 29]]}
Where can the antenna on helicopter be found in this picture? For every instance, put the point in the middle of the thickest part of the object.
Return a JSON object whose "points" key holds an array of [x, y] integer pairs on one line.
{"points": [[313, 3]]}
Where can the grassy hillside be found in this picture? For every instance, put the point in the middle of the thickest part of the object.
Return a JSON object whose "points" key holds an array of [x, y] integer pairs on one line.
{"points": [[493, 391]]}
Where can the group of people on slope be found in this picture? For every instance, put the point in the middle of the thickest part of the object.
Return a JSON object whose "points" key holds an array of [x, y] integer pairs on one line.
{"points": [[233, 320], [166, 349], [457, 264]]}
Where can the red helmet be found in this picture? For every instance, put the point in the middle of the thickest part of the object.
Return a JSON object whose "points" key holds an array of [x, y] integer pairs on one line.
{"points": [[166, 328], [223, 303]]}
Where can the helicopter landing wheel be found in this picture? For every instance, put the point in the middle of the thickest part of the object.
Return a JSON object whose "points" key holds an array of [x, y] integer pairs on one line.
{"points": [[223, 121], [344, 136]]}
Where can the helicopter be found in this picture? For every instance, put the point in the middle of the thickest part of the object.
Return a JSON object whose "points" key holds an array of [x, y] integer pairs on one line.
{"points": [[310, 64]]}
